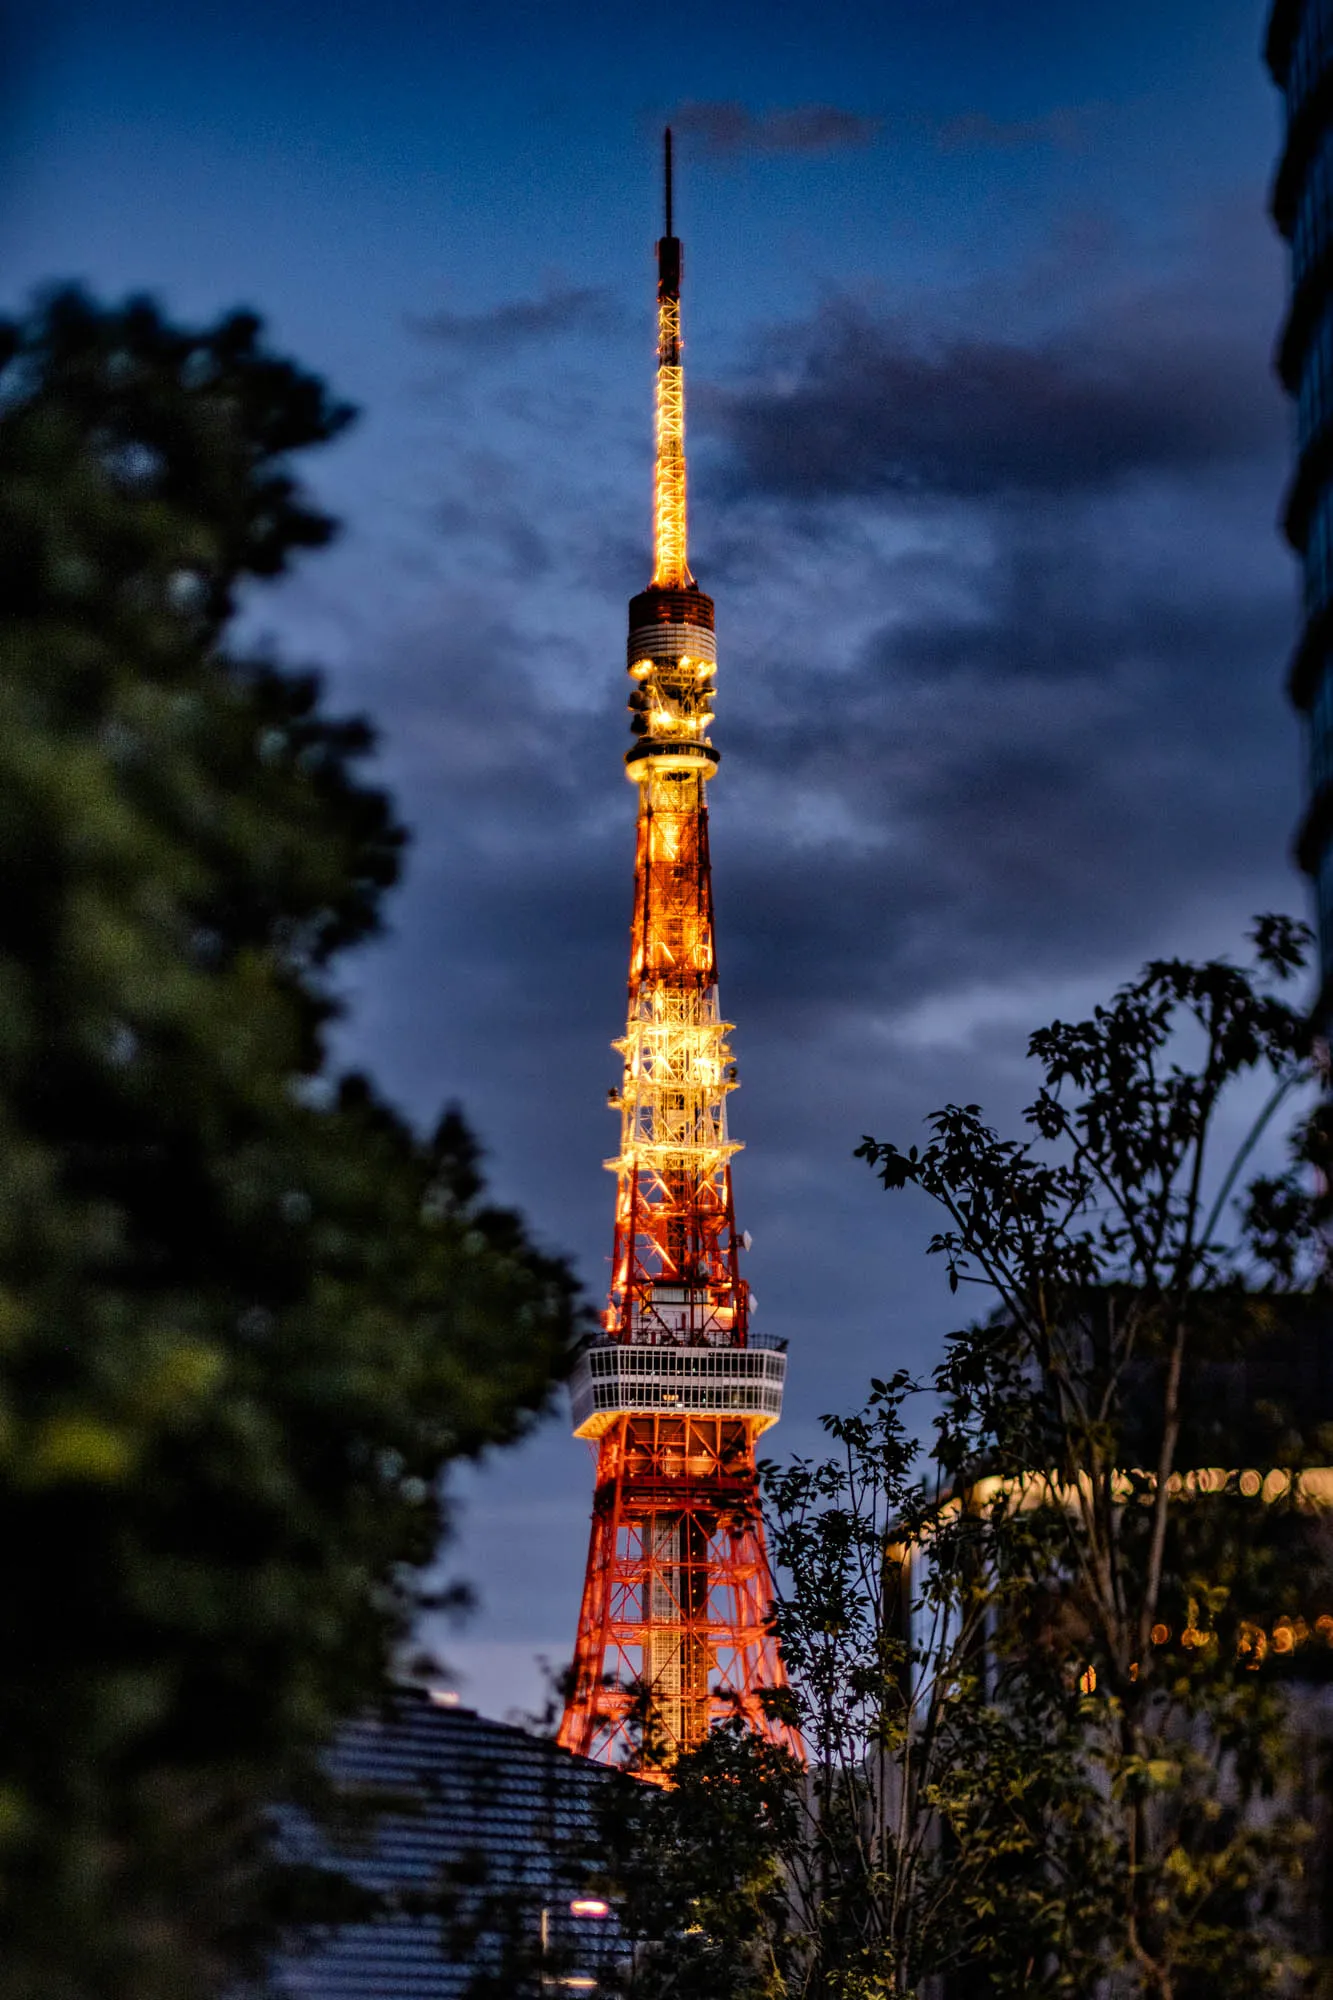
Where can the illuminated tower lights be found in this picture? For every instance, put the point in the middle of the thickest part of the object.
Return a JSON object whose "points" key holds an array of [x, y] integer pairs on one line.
{"points": [[675, 1390]]}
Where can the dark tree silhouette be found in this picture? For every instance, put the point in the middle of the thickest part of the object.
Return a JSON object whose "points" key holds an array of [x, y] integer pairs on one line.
{"points": [[246, 1314]]}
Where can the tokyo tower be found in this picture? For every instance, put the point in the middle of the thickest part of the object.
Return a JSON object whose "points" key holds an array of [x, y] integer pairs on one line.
{"points": [[676, 1388]]}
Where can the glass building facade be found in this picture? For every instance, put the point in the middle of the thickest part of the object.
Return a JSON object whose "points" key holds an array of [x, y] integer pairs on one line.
{"points": [[478, 1838], [1300, 57]]}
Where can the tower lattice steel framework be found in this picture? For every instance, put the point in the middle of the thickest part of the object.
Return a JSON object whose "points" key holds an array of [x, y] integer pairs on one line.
{"points": [[676, 1388]]}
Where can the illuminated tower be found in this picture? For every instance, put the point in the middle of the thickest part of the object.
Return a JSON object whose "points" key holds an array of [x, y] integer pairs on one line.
{"points": [[676, 1389]]}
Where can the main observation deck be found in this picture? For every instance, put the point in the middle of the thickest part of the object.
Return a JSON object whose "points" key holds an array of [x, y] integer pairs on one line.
{"points": [[615, 1378]]}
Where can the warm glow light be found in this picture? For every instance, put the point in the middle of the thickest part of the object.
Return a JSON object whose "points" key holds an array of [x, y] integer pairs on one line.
{"points": [[1252, 1644], [671, 570], [589, 1906]]}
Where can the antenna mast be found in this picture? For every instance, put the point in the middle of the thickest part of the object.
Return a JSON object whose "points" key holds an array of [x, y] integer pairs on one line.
{"points": [[671, 570]]}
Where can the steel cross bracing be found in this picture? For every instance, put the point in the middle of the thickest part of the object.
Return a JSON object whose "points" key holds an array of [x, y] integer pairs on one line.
{"points": [[674, 1621], [677, 1590]]}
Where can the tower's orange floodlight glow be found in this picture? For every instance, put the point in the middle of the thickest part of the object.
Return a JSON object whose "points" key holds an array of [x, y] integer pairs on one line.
{"points": [[674, 1620]]}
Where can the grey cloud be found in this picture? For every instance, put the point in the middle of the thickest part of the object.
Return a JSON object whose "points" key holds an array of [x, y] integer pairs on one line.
{"points": [[724, 128], [499, 330], [487, 513], [869, 405], [1003, 817]]}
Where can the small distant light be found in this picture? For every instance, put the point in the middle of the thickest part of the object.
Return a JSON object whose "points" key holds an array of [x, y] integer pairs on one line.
{"points": [[581, 1982], [589, 1906], [445, 1697]]}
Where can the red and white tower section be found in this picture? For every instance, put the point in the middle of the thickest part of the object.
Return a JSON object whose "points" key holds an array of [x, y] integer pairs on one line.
{"points": [[676, 1388]]}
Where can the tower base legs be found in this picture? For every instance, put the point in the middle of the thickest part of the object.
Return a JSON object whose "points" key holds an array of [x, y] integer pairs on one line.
{"points": [[673, 1629]]}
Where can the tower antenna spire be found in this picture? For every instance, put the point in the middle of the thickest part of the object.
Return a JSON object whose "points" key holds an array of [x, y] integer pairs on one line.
{"points": [[671, 569]]}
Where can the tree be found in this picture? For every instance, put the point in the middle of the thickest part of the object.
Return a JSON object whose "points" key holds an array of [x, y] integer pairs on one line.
{"points": [[1072, 1768], [246, 1313], [697, 1870], [1132, 1548]]}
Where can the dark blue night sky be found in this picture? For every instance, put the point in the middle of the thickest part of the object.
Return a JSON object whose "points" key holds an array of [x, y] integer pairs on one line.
{"points": [[986, 459]]}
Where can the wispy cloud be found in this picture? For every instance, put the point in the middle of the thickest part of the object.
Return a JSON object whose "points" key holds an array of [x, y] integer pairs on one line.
{"points": [[502, 328], [723, 127]]}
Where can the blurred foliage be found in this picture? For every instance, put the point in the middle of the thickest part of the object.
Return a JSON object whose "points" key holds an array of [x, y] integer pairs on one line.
{"points": [[699, 1870], [1060, 1672], [246, 1314]]}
